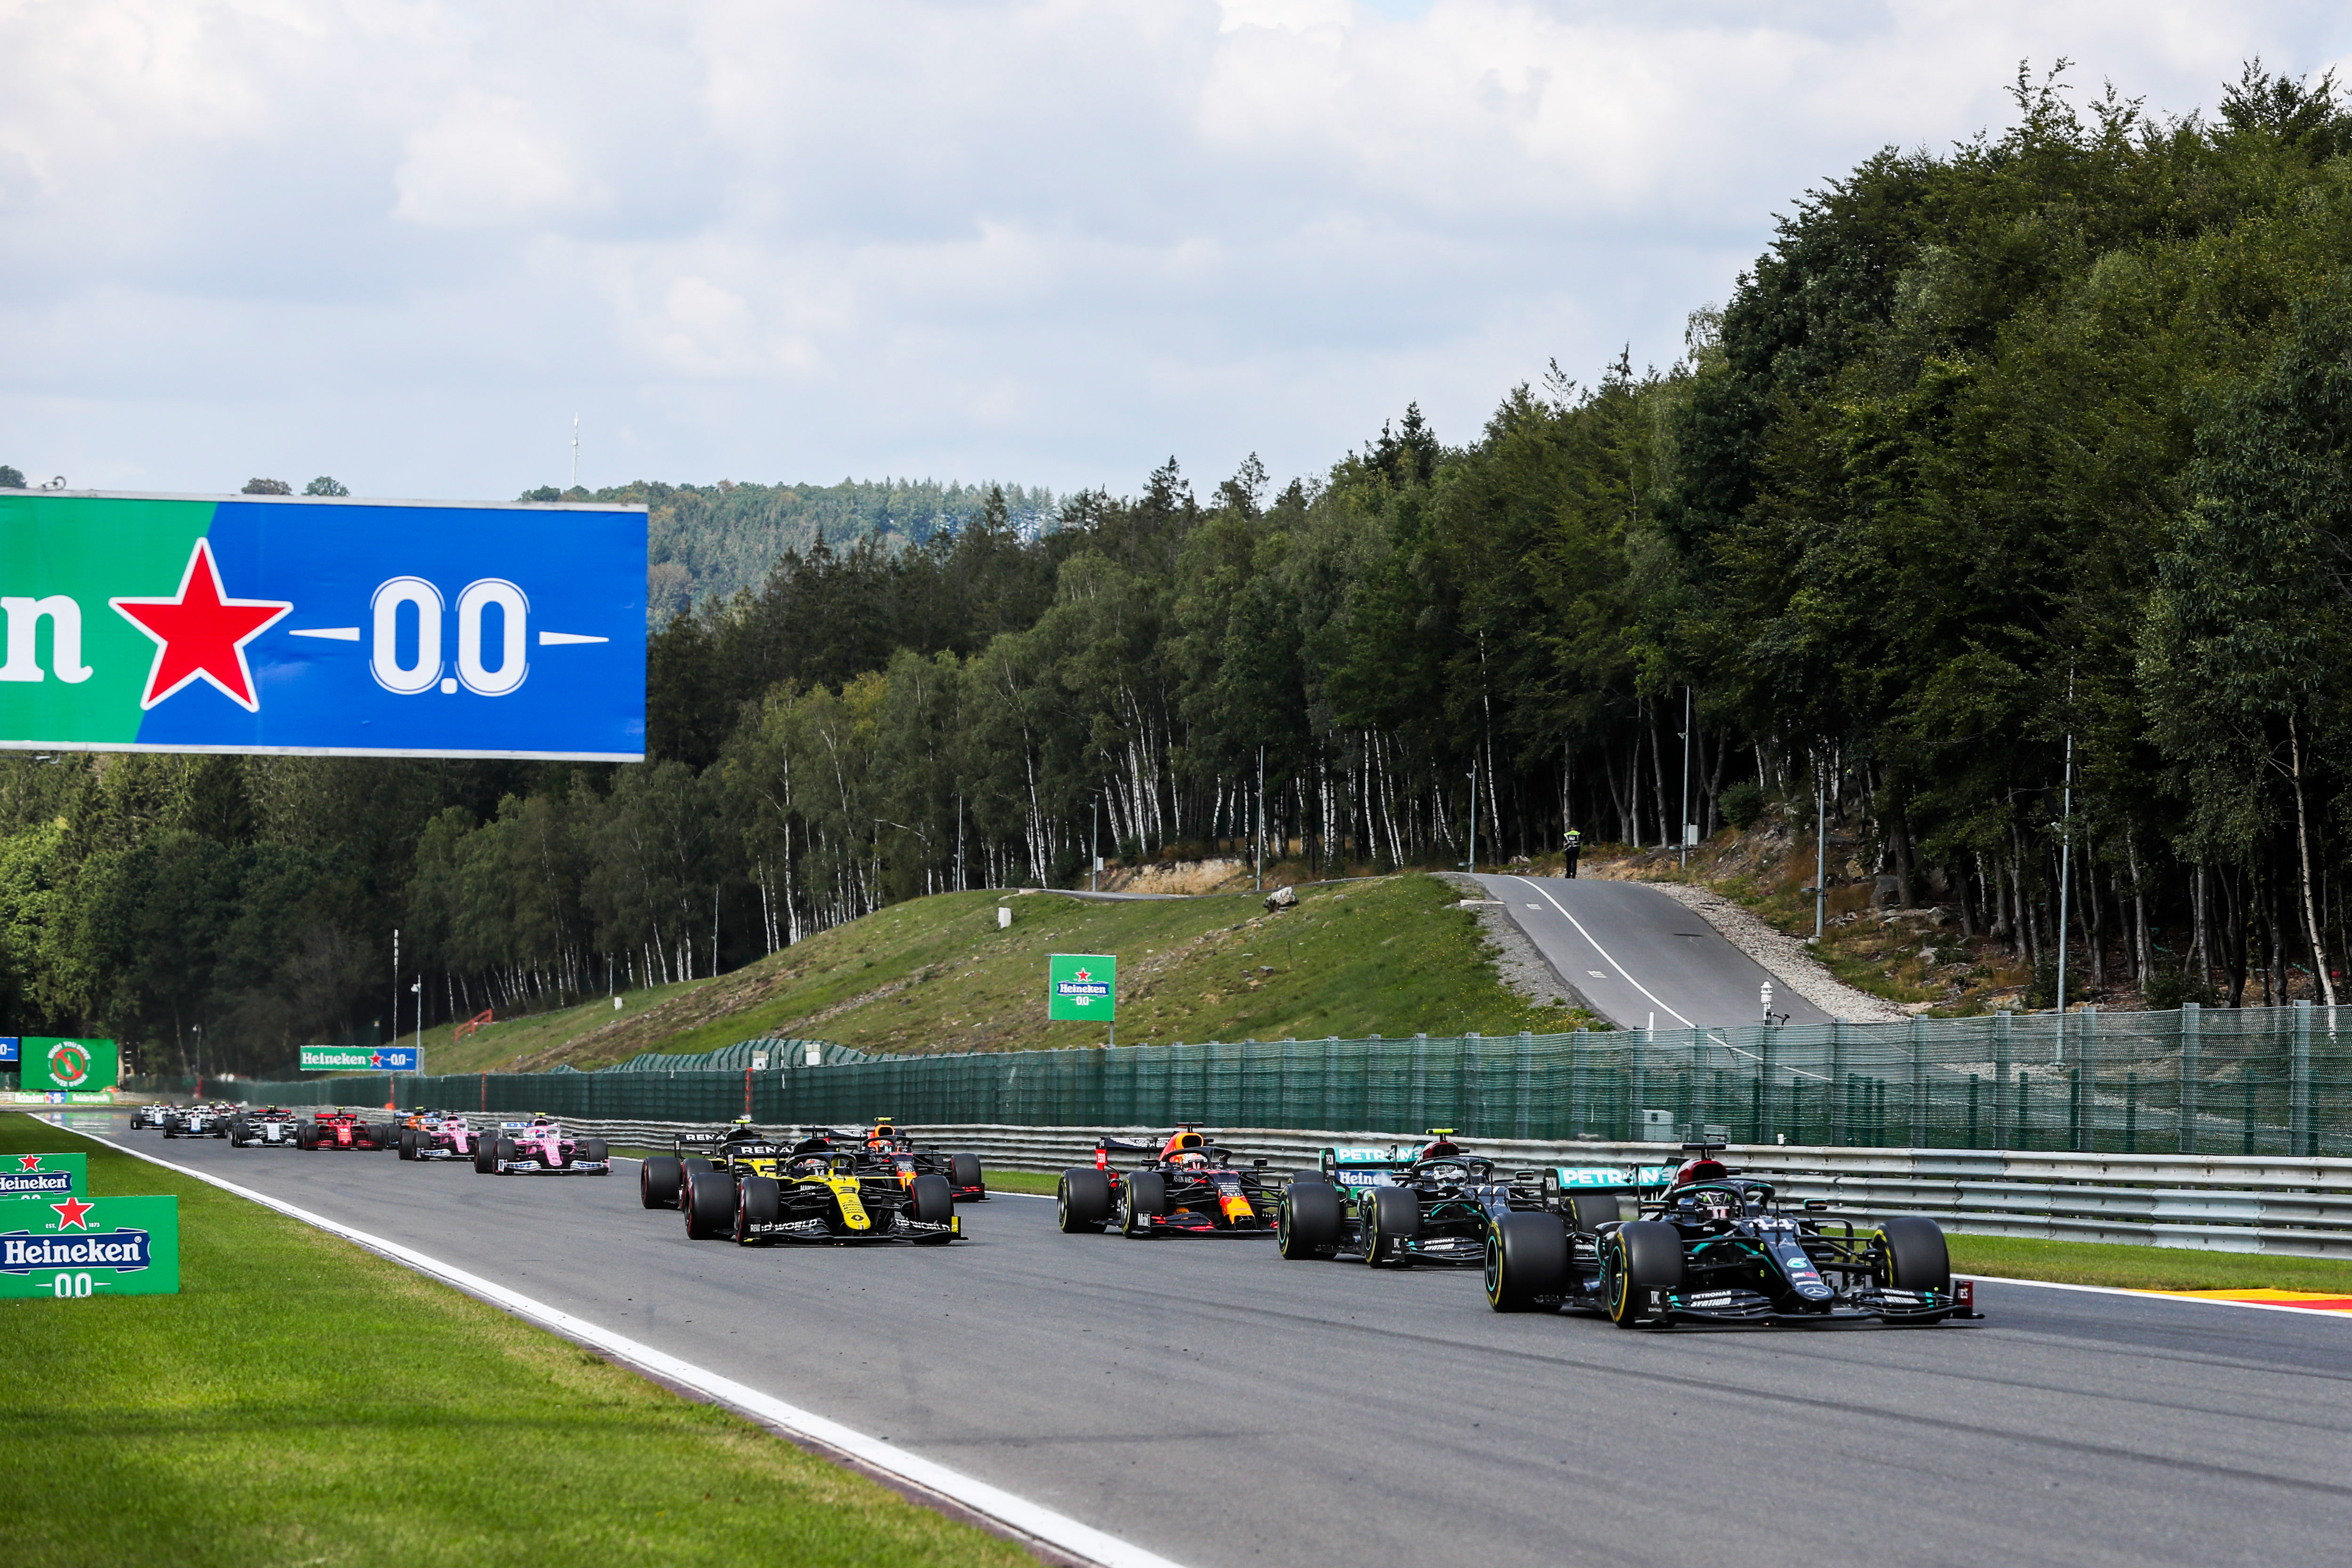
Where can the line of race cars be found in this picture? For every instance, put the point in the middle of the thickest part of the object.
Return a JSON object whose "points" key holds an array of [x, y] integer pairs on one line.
{"points": [[1644, 1246], [1648, 1246]]}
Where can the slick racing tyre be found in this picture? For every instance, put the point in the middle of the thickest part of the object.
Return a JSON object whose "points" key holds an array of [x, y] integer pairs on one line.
{"points": [[710, 1205], [658, 1179], [408, 1142], [932, 1202], [1307, 1227], [1392, 1223], [1913, 1257], [1588, 1212], [1082, 1201], [485, 1151], [1638, 1259], [760, 1204], [595, 1152], [1143, 1197], [963, 1172], [1527, 1256], [502, 1153]]}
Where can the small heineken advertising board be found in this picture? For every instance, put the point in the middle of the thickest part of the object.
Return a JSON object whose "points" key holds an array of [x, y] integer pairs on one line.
{"points": [[1082, 987], [77, 1247], [11, 1051], [359, 1058], [50, 1176], [51, 1064]]}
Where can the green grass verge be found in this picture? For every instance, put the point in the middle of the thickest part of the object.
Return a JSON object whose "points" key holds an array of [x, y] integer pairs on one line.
{"points": [[301, 1400], [1388, 956], [2146, 1268]]}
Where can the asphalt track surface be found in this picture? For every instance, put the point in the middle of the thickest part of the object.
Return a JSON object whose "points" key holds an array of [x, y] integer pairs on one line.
{"points": [[1209, 1402], [1637, 957]]}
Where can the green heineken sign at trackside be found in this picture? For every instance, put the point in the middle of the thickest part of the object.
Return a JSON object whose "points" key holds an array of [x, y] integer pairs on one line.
{"points": [[51, 1063], [359, 1058], [40, 1176], [1082, 987], [77, 1247]]}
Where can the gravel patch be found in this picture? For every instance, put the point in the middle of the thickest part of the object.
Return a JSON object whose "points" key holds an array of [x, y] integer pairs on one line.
{"points": [[1789, 960]]}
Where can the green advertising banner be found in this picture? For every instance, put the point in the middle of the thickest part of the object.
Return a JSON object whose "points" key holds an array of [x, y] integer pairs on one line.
{"points": [[359, 1058], [1082, 987], [48, 1176], [78, 1248], [51, 1063]]}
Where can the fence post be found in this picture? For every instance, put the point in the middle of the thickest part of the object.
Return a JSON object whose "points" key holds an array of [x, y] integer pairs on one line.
{"points": [[2298, 1101], [1637, 1060], [2190, 1017], [1841, 1091], [1576, 1049], [2087, 1082], [1523, 1087], [1769, 1035], [1918, 1083], [2000, 1047]]}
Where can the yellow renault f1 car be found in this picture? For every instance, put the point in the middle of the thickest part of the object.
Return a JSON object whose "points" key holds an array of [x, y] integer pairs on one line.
{"points": [[814, 1190]]}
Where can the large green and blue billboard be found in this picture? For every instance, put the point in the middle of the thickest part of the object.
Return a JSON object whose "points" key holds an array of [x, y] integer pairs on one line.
{"points": [[269, 624]]}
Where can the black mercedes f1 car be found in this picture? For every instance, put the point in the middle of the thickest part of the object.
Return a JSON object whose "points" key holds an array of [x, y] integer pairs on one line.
{"points": [[1393, 1206], [1656, 1246], [1183, 1186]]}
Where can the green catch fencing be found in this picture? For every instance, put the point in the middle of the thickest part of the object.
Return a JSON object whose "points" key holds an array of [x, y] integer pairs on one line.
{"points": [[2198, 1080]]}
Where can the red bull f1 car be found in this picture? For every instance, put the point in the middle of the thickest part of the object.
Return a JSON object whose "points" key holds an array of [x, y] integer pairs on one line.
{"points": [[1654, 1246], [341, 1130], [538, 1147], [1184, 1185], [1424, 1202]]}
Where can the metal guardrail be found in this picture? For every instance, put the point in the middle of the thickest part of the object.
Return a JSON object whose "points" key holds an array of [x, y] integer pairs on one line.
{"points": [[2294, 1208]]}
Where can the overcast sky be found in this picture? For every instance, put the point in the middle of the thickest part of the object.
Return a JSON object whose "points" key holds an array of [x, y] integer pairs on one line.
{"points": [[405, 241]]}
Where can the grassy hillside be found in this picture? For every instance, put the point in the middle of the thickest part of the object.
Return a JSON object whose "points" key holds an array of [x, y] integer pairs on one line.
{"points": [[1389, 956]]}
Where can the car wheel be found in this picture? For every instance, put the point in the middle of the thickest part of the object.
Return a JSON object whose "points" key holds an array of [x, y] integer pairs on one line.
{"points": [[931, 1200], [1638, 1258], [1527, 1256], [759, 1204], [408, 1142], [483, 1150], [503, 1153], [1589, 1211], [658, 1180], [596, 1151], [1142, 1198], [1913, 1256], [963, 1173], [1082, 1201], [1392, 1224], [709, 1205], [1306, 1226]]}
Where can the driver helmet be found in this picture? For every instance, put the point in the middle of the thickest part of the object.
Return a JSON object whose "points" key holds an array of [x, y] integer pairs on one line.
{"points": [[1700, 1171], [1441, 1145], [1182, 1142]]}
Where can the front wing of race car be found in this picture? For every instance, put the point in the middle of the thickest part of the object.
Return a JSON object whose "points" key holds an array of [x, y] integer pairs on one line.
{"points": [[1211, 1206], [1875, 1304], [840, 1209]]}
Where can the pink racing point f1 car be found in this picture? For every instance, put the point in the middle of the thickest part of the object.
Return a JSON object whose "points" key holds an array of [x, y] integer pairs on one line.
{"points": [[538, 1147], [432, 1136]]}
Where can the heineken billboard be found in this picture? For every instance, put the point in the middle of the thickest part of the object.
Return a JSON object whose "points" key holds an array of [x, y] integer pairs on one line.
{"points": [[359, 1058], [49, 1062], [272, 624], [1082, 986], [77, 1247], [43, 1176]]}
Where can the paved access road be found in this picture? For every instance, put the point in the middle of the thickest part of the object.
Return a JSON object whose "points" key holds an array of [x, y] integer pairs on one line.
{"points": [[1638, 957], [1213, 1403]]}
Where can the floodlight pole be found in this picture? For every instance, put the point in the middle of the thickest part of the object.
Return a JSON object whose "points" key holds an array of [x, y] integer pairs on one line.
{"points": [[2066, 869], [1094, 841], [1821, 844], [1258, 847], [394, 1039], [1474, 819]]}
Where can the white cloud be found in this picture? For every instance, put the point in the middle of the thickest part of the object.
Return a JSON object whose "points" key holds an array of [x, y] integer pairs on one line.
{"points": [[1054, 241]]}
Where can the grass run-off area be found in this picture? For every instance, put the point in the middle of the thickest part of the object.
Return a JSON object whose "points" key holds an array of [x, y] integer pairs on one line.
{"points": [[1390, 955], [303, 1401]]}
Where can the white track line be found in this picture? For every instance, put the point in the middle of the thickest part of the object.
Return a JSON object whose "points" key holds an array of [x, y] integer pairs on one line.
{"points": [[1603, 951], [1055, 1529], [2158, 1296]]}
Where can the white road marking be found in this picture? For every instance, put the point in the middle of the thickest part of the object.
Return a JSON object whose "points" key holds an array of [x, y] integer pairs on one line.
{"points": [[1057, 1530], [1604, 952], [2155, 1295]]}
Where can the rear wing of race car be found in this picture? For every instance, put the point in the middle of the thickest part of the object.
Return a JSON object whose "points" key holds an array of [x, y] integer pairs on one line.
{"points": [[1367, 1165]]}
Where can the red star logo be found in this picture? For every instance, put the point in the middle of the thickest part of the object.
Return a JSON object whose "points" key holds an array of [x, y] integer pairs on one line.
{"points": [[1084, 977], [202, 633], [71, 1213], [28, 1162]]}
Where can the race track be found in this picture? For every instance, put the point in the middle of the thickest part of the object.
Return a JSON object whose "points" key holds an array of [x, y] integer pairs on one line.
{"points": [[1639, 958], [1209, 1402]]}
